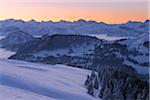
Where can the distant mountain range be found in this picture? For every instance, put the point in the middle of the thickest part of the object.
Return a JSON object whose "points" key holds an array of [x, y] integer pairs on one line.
{"points": [[131, 28]]}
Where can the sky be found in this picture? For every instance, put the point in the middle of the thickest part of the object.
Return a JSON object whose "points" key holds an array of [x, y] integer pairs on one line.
{"points": [[108, 11]]}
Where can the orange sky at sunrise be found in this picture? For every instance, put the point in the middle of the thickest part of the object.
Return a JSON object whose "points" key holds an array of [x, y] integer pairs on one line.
{"points": [[109, 11]]}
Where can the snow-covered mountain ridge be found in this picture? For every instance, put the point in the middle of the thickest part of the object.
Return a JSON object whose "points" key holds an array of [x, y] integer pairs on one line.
{"points": [[83, 27]]}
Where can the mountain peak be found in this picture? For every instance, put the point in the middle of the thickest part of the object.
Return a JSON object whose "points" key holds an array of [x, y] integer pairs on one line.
{"points": [[133, 22], [80, 21], [147, 21], [32, 21]]}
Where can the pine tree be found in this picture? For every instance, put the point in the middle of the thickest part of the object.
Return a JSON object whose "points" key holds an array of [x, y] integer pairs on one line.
{"points": [[96, 83], [90, 89], [87, 80]]}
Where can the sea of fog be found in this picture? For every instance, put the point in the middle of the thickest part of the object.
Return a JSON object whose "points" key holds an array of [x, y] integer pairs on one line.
{"points": [[107, 37], [1, 37], [4, 54]]}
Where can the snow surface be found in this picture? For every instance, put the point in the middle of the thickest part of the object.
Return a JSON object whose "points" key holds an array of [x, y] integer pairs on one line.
{"points": [[21, 80]]}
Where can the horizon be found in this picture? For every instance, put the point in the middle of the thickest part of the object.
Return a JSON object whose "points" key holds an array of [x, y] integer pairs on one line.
{"points": [[70, 21], [108, 11]]}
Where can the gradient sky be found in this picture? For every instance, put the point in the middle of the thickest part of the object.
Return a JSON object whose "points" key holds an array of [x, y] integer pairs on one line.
{"points": [[109, 11]]}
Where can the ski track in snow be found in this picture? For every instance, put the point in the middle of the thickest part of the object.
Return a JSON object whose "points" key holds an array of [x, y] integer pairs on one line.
{"points": [[21, 80]]}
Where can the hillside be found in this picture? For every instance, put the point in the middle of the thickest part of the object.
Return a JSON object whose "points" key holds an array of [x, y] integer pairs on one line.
{"points": [[80, 51], [59, 49], [24, 80]]}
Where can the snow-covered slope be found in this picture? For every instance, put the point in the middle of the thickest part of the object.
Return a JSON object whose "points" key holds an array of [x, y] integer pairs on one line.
{"points": [[139, 48], [31, 81]]}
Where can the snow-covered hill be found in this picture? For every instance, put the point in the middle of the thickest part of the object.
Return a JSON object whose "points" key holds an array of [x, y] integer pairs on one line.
{"points": [[79, 51], [31, 81], [71, 50]]}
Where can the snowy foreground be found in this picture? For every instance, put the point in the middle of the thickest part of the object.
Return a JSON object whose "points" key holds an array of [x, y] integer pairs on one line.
{"points": [[31, 81]]}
